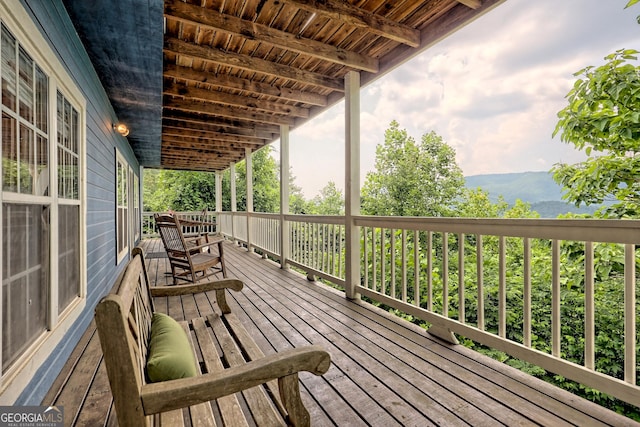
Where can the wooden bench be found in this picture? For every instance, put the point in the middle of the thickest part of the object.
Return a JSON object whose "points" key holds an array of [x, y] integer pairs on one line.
{"points": [[228, 359]]}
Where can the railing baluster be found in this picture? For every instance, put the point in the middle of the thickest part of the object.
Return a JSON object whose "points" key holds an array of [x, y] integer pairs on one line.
{"points": [[527, 293], [589, 307], [416, 267], [392, 268], [429, 271], [461, 295], [445, 274], [480, 280], [630, 314], [373, 258], [383, 262], [325, 247], [365, 256], [404, 265], [502, 285], [333, 249], [555, 298], [340, 264]]}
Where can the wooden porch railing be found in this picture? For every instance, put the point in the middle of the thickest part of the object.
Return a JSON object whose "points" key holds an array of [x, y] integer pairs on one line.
{"points": [[426, 267], [149, 229]]}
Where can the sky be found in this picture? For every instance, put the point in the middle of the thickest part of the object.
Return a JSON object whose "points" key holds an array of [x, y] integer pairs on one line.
{"points": [[492, 90]]}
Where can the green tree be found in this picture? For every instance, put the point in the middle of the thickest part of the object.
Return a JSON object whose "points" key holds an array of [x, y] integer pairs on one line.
{"points": [[330, 201], [266, 185], [603, 118], [412, 179], [178, 190], [476, 204], [297, 203]]}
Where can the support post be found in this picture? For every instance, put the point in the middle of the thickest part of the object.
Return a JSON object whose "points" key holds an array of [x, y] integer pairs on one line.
{"points": [[218, 191], [284, 195], [249, 174], [352, 182], [234, 205], [218, 202]]}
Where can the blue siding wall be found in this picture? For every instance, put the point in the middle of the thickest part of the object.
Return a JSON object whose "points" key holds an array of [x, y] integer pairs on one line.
{"points": [[55, 25]]}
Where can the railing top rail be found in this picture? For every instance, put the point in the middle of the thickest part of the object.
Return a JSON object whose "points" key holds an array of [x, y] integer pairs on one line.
{"points": [[316, 219], [596, 230]]}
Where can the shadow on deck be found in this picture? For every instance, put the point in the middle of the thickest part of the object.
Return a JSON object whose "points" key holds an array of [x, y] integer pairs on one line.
{"points": [[384, 372]]}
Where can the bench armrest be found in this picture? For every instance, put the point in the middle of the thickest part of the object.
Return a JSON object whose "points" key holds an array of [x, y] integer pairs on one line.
{"points": [[176, 290], [217, 285], [175, 394]]}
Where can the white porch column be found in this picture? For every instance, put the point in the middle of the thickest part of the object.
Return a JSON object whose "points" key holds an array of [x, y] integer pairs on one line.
{"points": [[218, 201], [352, 182], [249, 174], [218, 191], [234, 205], [284, 195]]}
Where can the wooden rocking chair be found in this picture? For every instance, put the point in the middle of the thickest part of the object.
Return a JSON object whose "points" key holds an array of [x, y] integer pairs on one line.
{"points": [[190, 259]]}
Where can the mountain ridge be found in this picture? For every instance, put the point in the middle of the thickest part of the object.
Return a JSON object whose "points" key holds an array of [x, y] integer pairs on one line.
{"points": [[534, 187]]}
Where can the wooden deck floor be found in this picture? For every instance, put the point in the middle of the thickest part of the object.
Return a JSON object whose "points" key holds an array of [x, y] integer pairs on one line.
{"points": [[384, 372]]}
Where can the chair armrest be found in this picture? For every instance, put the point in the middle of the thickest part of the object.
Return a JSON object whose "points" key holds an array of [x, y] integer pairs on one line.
{"points": [[175, 394], [167, 291]]}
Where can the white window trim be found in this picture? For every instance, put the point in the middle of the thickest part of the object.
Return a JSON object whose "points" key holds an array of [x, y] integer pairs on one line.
{"points": [[122, 253], [19, 22]]}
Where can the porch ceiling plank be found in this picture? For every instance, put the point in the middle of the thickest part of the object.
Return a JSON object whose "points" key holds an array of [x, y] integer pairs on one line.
{"points": [[251, 64], [254, 87], [228, 112], [198, 164], [352, 15], [211, 19], [223, 98], [214, 128], [178, 134]]}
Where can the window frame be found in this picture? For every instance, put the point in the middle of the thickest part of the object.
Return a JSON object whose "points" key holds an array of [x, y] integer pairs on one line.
{"points": [[28, 37], [123, 239]]}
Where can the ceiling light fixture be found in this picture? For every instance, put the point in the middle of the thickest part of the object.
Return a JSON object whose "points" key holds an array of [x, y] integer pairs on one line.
{"points": [[121, 128]]}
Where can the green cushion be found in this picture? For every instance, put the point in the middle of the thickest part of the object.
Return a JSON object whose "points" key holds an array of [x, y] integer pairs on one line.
{"points": [[170, 353]]}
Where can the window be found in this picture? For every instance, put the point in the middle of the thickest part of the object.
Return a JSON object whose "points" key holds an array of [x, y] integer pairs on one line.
{"points": [[122, 214], [42, 204]]}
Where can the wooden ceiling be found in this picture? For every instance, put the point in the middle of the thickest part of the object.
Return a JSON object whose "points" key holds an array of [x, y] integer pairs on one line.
{"points": [[235, 70]]}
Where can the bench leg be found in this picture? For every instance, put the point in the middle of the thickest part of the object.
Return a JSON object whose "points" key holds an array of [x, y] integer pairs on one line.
{"points": [[290, 395], [222, 266]]}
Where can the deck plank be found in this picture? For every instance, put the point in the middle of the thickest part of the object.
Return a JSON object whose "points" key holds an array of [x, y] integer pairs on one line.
{"points": [[385, 371]]}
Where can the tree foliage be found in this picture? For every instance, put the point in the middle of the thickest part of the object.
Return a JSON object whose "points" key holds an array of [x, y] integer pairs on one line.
{"points": [[178, 190], [266, 185], [330, 201], [412, 178], [603, 119]]}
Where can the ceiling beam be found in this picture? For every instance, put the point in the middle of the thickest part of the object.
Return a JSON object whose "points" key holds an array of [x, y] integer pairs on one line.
{"points": [[251, 64], [208, 127], [178, 143], [345, 12], [207, 120], [229, 112], [231, 82], [214, 136], [224, 98], [473, 4], [211, 19]]}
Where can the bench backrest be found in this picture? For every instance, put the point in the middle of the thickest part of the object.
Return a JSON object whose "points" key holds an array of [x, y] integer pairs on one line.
{"points": [[123, 320]]}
